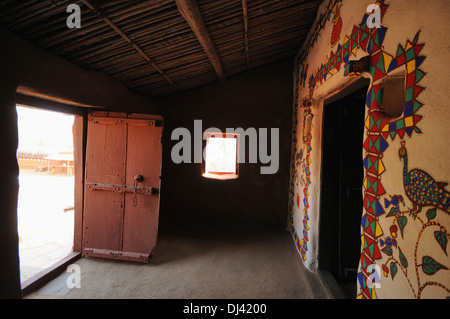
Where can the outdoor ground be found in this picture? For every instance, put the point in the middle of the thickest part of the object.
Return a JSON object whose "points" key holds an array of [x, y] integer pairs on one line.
{"points": [[45, 230]]}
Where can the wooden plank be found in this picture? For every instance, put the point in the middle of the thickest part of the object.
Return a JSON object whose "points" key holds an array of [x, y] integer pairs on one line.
{"points": [[123, 121], [35, 102], [78, 154], [144, 158], [245, 12], [45, 276], [116, 255], [151, 40], [132, 43], [189, 10], [105, 162]]}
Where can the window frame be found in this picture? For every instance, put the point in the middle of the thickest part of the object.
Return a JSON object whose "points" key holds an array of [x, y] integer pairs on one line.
{"points": [[220, 175]]}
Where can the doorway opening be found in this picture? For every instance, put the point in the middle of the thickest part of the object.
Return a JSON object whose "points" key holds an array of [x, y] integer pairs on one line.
{"points": [[45, 210], [341, 187]]}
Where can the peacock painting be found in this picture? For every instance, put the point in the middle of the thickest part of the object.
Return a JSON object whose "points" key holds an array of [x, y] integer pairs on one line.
{"points": [[421, 188]]}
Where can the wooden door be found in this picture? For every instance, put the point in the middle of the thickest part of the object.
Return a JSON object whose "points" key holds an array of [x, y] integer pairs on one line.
{"points": [[351, 180], [341, 190], [123, 167]]}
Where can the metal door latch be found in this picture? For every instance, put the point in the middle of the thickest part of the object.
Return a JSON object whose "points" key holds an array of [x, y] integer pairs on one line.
{"points": [[137, 179], [135, 189]]}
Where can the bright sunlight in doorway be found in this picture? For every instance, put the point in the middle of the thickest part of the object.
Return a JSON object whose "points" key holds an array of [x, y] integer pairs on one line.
{"points": [[46, 189]]}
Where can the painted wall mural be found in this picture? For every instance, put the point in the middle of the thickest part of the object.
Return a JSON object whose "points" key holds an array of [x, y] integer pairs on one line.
{"points": [[302, 178], [423, 191], [300, 170], [412, 213], [332, 9]]}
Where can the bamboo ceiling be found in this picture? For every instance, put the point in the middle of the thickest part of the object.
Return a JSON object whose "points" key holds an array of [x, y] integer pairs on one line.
{"points": [[160, 47]]}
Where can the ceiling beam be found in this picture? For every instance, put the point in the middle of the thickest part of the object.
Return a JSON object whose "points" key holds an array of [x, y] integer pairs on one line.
{"points": [[129, 40], [245, 10], [191, 13]]}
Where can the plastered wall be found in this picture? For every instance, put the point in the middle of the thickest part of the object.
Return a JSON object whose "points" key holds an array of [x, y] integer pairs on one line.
{"points": [[258, 99], [405, 220]]}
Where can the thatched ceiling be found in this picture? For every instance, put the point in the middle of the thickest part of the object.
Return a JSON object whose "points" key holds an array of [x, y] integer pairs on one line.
{"points": [[155, 47]]}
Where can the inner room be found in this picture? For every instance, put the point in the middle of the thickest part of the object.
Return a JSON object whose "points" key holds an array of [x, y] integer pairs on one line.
{"points": [[218, 149]]}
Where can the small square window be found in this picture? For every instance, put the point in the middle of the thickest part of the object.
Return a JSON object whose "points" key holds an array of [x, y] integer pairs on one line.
{"points": [[394, 96], [221, 156]]}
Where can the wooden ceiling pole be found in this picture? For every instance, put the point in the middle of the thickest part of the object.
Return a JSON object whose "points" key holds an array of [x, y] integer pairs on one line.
{"points": [[130, 41], [245, 9], [190, 11]]}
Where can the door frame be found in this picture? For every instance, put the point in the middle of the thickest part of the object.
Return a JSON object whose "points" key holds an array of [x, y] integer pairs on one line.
{"points": [[324, 237], [79, 134]]}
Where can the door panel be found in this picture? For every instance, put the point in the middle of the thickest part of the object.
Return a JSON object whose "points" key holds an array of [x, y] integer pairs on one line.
{"points": [[352, 175], [144, 158], [121, 215], [105, 163], [341, 189]]}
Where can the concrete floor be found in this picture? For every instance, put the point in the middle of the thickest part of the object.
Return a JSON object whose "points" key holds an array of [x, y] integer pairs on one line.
{"points": [[204, 263]]}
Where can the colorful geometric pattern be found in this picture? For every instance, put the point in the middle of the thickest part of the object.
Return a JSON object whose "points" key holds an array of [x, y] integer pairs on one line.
{"points": [[332, 8], [302, 242], [307, 181], [373, 185], [375, 144], [378, 126], [293, 155], [363, 38], [379, 66], [373, 164], [410, 57]]}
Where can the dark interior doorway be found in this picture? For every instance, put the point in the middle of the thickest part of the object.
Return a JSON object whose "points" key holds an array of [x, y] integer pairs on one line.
{"points": [[341, 190]]}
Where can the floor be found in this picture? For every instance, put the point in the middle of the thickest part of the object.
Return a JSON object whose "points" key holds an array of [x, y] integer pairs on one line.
{"points": [[45, 228], [231, 262], [38, 253]]}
